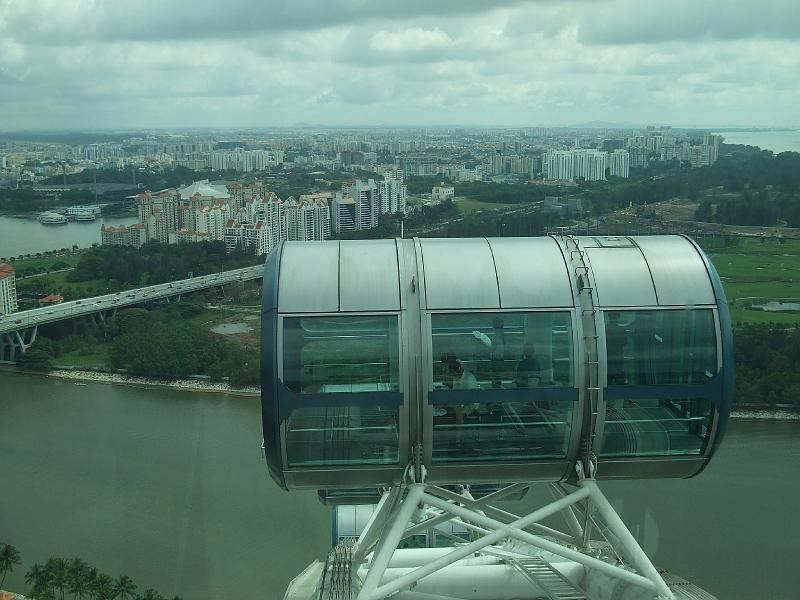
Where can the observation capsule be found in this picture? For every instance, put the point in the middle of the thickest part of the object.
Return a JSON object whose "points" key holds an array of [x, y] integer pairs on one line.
{"points": [[491, 360]]}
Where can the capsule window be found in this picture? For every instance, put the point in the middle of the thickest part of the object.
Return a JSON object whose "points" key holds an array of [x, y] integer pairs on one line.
{"points": [[340, 354], [501, 350], [496, 380], [653, 347], [657, 362]]}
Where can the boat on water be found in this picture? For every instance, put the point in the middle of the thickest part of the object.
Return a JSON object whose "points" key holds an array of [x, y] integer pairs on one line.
{"points": [[52, 218], [83, 213]]}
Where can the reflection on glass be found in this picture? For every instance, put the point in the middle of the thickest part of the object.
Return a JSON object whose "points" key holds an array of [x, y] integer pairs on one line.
{"points": [[340, 354], [651, 347], [657, 427], [501, 350], [500, 431], [658, 348], [490, 354], [348, 435]]}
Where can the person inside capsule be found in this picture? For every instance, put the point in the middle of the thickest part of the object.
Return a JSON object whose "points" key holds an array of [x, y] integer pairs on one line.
{"points": [[529, 372], [458, 378]]}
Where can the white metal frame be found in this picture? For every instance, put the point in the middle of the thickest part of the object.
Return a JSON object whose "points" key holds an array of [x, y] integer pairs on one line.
{"points": [[405, 512]]}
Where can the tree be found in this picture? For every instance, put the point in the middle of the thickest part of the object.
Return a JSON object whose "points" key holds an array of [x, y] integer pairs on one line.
{"points": [[124, 587], [38, 578], [151, 595], [9, 558], [57, 575], [704, 212], [36, 359], [78, 573], [104, 587]]}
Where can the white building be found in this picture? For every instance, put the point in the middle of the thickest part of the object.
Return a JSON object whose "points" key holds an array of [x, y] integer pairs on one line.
{"points": [[343, 213], [392, 192], [8, 289], [256, 237], [309, 218], [122, 236], [619, 163], [211, 220], [443, 192], [367, 202], [573, 164]]}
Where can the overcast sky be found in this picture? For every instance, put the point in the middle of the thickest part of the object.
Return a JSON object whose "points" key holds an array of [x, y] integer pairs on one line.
{"points": [[194, 63]]}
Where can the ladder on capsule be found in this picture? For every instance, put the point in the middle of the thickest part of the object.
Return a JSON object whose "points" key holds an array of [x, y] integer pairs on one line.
{"points": [[546, 577]]}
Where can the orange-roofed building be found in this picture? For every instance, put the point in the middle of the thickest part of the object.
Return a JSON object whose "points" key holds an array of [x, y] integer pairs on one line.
{"points": [[51, 299]]}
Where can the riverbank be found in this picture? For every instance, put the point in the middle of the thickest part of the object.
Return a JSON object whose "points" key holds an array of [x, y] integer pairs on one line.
{"points": [[769, 414], [761, 413], [193, 385]]}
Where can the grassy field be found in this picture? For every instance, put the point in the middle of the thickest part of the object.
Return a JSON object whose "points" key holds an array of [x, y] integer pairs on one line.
{"points": [[46, 262], [756, 269], [468, 205]]}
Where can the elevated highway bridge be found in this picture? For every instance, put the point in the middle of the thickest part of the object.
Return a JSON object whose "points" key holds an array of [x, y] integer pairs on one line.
{"points": [[18, 330]]}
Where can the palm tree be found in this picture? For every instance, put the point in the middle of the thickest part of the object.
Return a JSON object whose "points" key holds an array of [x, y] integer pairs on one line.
{"points": [[91, 581], [151, 595], [78, 577], [104, 587], [37, 578], [125, 587], [57, 575], [9, 558]]}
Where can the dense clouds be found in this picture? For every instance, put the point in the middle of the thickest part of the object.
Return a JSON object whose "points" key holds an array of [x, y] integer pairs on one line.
{"points": [[149, 63]]}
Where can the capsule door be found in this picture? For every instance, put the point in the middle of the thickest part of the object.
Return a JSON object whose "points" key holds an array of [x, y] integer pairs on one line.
{"points": [[501, 398], [662, 386]]}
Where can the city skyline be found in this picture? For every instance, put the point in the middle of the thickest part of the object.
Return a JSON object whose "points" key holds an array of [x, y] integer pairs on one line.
{"points": [[125, 65]]}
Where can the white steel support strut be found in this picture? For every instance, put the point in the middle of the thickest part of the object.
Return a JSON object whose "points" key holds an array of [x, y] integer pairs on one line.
{"points": [[388, 544], [489, 533]]}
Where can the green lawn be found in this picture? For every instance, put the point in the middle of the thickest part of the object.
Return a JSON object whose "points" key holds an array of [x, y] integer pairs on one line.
{"points": [[46, 262], [468, 205], [756, 269]]}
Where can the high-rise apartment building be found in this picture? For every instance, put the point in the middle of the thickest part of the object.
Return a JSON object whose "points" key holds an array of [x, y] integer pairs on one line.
{"points": [[343, 213], [309, 217], [8, 289], [573, 164], [619, 163], [392, 192], [367, 202]]}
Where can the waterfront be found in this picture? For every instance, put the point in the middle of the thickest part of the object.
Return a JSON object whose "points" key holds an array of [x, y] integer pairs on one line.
{"points": [[170, 488], [777, 141], [28, 236]]}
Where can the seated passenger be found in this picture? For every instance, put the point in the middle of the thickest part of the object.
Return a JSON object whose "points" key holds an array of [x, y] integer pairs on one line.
{"points": [[459, 378], [456, 376], [529, 372]]}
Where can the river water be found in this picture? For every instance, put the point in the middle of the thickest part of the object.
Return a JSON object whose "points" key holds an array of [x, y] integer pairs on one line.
{"points": [[170, 488], [28, 236]]}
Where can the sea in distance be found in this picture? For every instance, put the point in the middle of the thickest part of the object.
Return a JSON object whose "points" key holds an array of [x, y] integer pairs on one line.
{"points": [[777, 141], [170, 488], [25, 235]]}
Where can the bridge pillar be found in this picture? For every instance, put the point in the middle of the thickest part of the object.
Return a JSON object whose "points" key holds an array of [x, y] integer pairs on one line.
{"points": [[17, 341]]}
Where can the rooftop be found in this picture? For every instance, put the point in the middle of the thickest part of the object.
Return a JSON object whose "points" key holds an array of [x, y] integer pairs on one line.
{"points": [[204, 188]]}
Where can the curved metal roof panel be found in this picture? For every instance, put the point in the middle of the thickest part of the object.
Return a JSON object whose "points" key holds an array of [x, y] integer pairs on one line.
{"points": [[368, 276], [309, 277], [621, 276], [678, 271], [531, 272], [459, 273]]}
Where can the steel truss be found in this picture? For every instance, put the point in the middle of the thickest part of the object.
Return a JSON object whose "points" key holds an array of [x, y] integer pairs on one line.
{"points": [[407, 510]]}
